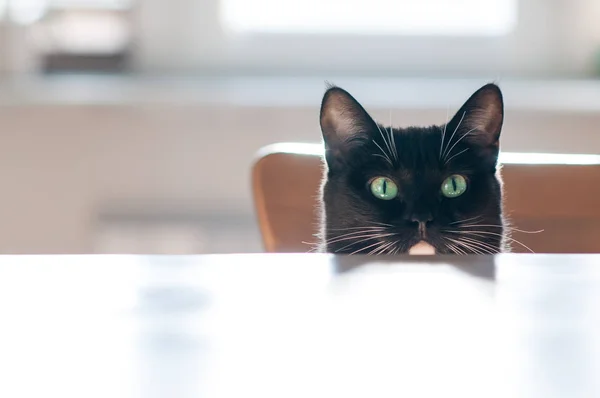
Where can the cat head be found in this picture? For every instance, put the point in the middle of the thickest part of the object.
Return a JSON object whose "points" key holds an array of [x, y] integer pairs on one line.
{"points": [[390, 190]]}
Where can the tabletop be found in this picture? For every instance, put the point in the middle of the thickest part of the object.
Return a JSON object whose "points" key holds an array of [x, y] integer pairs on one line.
{"points": [[300, 325]]}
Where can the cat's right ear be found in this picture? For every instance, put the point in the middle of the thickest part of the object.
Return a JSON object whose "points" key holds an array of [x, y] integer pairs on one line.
{"points": [[343, 121]]}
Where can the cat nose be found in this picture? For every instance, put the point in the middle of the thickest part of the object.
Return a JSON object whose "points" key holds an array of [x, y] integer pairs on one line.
{"points": [[424, 218], [422, 229], [422, 221]]}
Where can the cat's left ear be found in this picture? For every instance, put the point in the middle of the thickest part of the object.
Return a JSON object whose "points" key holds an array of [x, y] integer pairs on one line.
{"points": [[343, 122], [480, 119]]}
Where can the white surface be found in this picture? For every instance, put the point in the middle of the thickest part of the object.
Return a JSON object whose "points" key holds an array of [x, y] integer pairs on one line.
{"points": [[295, 326]]}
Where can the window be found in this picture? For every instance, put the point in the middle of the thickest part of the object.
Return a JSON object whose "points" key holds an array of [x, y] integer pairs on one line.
{"points": [[484, 38], [403, 17], [382, 37]]}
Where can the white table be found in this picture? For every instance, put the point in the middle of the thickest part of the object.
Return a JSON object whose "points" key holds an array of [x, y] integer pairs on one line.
{"points": [[304, 325]]}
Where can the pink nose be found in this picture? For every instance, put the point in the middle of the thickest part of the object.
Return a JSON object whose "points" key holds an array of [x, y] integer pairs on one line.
{"points": [[422, 248]]}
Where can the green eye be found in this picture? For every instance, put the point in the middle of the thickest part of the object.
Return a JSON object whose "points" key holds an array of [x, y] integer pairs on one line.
{"points": [[384, 188], [454, 186]]}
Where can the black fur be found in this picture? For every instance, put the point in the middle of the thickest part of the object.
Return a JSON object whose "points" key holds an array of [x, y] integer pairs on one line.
{"points": [[356, 151]]}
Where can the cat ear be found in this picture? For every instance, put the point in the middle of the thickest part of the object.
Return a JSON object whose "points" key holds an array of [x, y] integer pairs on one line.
{"points": [[480, 119], [343, 119]]}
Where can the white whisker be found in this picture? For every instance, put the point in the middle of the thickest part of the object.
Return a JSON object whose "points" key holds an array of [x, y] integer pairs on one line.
{"points": [[392, 140], [483, 245], [507, 227], [387, 160], [349, 228], [479, 233], [457, 141], [377, 248], [362, 240], [393, 144], [455, 130], [444, 132], [385, 155], [393, 247], [449, 247], [454, 244], [368, 247], [453, 156], [379, 223], [457, 245], [474, 247], [452, 248], [387, 144], [357, 235], [466, 220], [382, 249], [354, 234]]}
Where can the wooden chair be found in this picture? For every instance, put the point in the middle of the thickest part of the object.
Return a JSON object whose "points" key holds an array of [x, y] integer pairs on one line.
{"points": [[557, 193]]}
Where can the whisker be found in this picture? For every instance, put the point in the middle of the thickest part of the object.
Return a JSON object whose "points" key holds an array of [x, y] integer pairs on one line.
{"points": [[475, 247], [454, 244], [395, 147], [314, 246], [348, 228], [352, 235], [379, 223], [444, 132], [381, 156], [376, 249], [453, 156], [459, 140], [455, 130], [395, 248], [359, 231], [382, 249], [480, 242], [483, 245], [452, 248], [392, 140], [368, 247], [357, 235], [501, 226], [449, 246], [387, 144], [385, 156], [361, 240], [461, 245], [466, 220], [478, 233]]}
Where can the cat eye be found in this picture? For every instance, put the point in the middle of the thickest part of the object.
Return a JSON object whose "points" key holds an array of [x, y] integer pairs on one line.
{"points": [[383, 188], [454, 186]]}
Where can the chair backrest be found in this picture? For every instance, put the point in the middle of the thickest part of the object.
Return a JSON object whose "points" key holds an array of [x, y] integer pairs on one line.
{"points": [[559, 194]]}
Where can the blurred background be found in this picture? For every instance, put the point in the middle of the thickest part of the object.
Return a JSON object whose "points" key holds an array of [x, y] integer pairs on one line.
{"points": [[130, 126]]}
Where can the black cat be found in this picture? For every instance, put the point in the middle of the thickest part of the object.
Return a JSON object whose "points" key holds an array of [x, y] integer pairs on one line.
{"points": [[418, 190]]}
